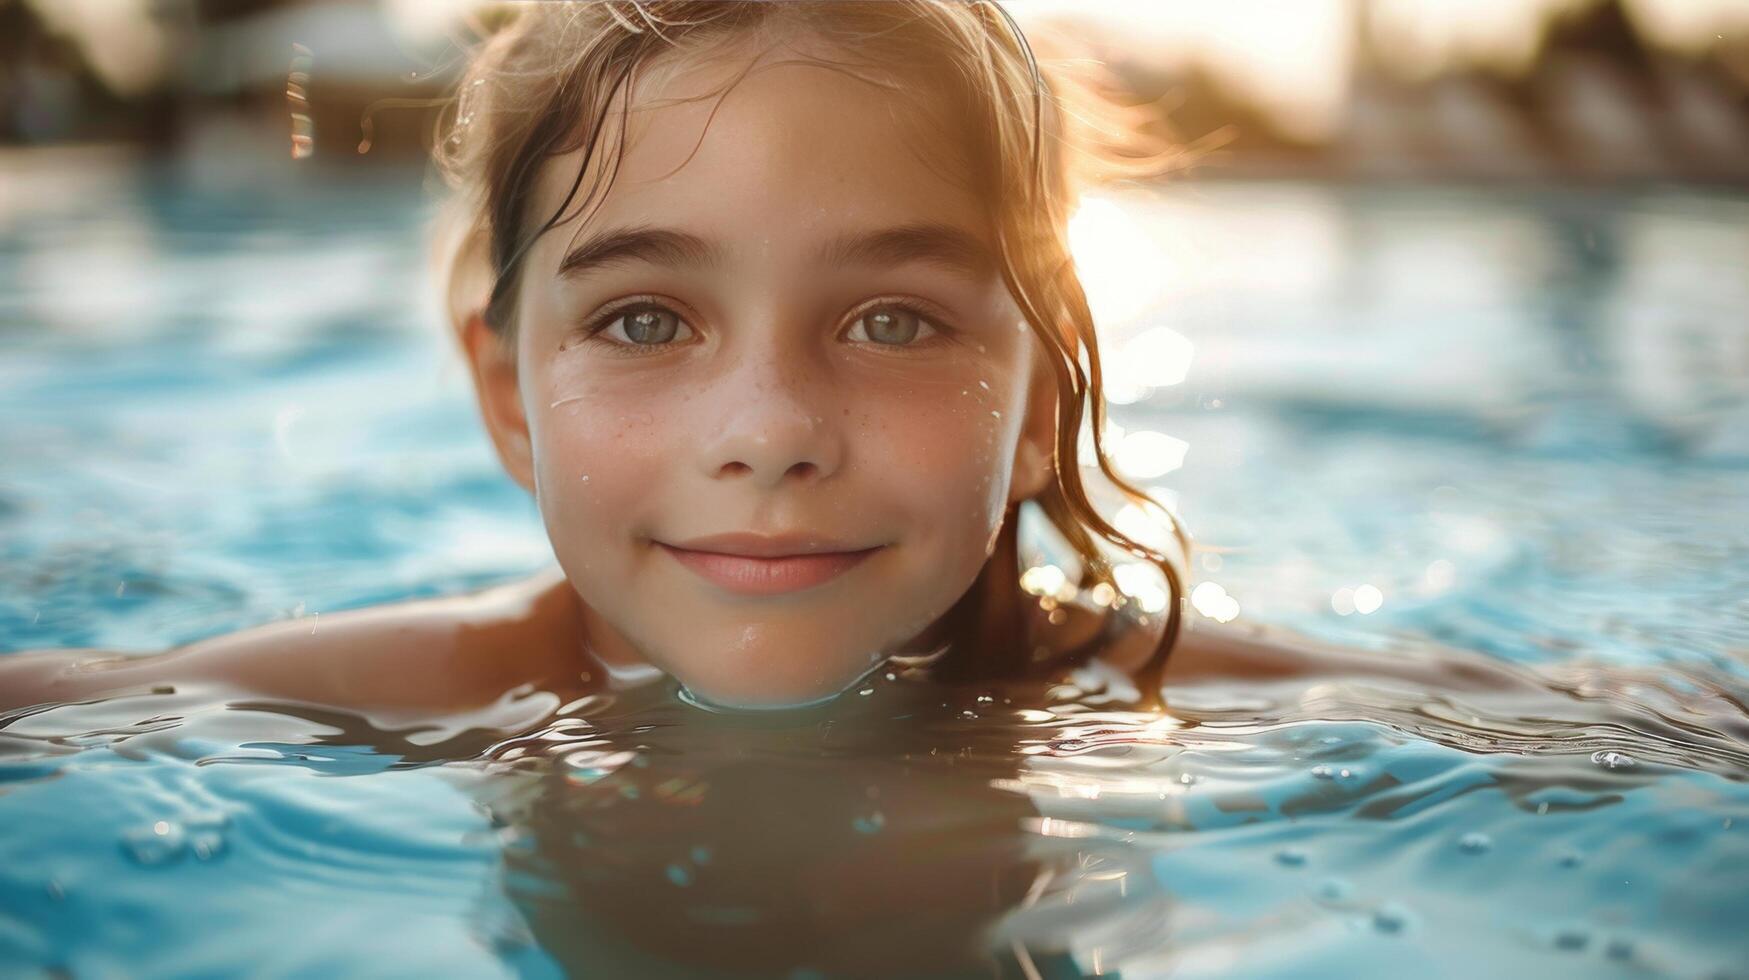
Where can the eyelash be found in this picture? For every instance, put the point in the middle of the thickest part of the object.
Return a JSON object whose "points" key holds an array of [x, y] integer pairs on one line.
{"points": [[590, 330]]}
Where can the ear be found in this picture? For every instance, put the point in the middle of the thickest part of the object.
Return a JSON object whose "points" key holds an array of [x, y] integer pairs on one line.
{"points": [[1035, 454], [492, 364]]}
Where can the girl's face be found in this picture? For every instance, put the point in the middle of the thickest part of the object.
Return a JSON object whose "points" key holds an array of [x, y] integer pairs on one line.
{"points": [[773, 399]]}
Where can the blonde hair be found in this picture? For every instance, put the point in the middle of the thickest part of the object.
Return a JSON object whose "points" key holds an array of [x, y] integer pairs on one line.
{"points": [[547, 76]]}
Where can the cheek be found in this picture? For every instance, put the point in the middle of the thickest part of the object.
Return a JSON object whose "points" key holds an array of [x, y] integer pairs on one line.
{"points": [[596, 455], [946, 457]]}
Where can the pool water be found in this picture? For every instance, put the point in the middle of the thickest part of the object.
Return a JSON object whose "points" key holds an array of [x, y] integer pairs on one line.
{"points": [[1514, 422]]}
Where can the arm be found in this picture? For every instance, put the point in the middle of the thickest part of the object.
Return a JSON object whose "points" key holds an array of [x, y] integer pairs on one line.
{"points": [[428, 654], [1211, 652], [1688, 716]]}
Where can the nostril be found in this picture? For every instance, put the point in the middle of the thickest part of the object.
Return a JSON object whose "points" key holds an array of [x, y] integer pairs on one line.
{"points": [[800, 471]]}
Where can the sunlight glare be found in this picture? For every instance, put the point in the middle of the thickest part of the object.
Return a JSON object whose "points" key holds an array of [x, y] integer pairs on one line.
{"points": [[1120, 265]]}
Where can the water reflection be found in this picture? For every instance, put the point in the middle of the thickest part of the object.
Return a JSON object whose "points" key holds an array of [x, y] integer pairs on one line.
{"points": [[924, 829], [848, 843]]}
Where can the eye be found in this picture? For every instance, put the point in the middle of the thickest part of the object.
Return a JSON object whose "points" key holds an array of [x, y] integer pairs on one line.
{"points": [[646, 325], [892, 326]]}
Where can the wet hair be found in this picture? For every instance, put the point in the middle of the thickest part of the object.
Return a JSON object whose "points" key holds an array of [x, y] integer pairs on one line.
{"points": [[546, 78]]}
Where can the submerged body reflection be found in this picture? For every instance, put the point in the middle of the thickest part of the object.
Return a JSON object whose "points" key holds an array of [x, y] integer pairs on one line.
{"points": [[856, 840]]}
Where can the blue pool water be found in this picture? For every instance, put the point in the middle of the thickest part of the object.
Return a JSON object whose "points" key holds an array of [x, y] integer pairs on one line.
{"points": [[1514, 422]]}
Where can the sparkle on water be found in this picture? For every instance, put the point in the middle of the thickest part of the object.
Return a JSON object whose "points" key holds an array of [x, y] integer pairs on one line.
{"points": [[1508, 422]]}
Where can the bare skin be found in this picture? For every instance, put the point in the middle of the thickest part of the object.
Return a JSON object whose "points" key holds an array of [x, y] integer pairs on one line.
{"points": [[508, 658], [438, 657]]}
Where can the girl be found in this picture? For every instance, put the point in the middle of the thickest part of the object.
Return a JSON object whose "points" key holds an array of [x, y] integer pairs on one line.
{"points": [[769, 307]]}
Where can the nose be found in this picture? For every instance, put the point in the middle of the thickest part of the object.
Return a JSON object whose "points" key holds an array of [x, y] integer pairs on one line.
{"points": [[777, 424]]}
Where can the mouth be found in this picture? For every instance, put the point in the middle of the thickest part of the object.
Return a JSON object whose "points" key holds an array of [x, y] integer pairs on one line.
{"points": [[762, 565]]}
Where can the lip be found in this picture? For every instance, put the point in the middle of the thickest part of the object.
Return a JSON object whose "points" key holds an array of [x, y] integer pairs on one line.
{"points": [[766, 565]]}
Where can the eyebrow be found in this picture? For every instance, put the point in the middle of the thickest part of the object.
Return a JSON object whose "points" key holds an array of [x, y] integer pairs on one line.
{"points": [[941, 244]]}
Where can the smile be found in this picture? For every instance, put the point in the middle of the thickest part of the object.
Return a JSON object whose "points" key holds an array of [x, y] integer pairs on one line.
{"points": [[763, 566]]}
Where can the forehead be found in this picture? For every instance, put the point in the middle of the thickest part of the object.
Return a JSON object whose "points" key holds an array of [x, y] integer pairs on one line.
{"points": [[765, 143]]}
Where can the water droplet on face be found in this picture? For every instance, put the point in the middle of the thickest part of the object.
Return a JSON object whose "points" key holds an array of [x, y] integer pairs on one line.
{"points": [[968, 713], [1322, 772], [701, 854], [679, 875], [996, 415], [870, 823], [1475, 843], [1291, 857], [984, 385], [1612, 760]]}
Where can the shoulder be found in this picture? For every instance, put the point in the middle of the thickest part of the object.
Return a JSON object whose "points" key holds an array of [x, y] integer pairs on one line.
{"points": [[436, 654], [1072, 633], [1211, 652], [1260, 653]]}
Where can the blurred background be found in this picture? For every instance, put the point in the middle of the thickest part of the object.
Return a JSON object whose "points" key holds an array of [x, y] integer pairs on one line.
{"points": [[1440, 335], [1651, 89]]}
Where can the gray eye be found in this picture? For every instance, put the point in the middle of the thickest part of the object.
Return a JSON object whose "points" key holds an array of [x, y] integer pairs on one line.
{"points": [[890, 325], [646, 327]]}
